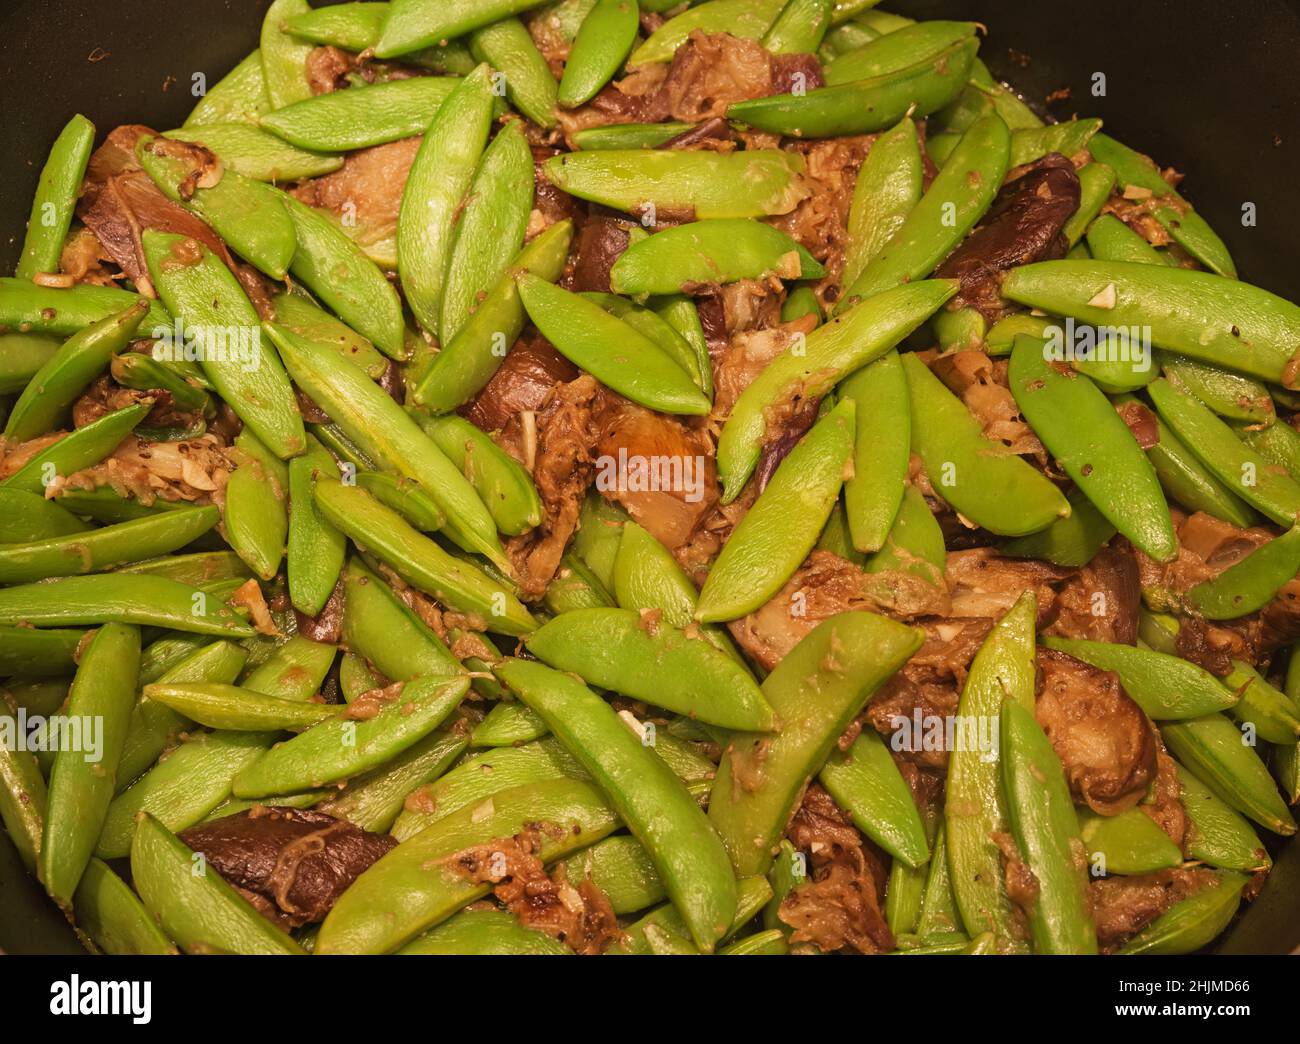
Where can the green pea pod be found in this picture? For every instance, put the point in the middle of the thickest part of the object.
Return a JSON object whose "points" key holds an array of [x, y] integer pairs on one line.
{"points": [[866, 105], [384, 431], [361, 117], [1202, 316], [405, 497], [1046, 829], [1194, 922], [799, 28], [750, 183], [915, 542], [22, 797], [419, 560], [284, 59], [145, 373], [782, 527], [483, 933], [1109, 239], [339, 273], [1216, 751], [295, 671], [56, 198], [643, 791], [680, 313], [938, 916], [1225, 456], [656, 329], [1067, 138], [26, 517], [608, 348], [468, 361], [507, 725], [1069, 541], [1277, 443], [245, 213], [599, 536], [1127, 843], [621, 868], [315, 549], [991, 487], [192, 902], [714, 251], [1251, 583], [118, 598], [201, 291], [612, 649], [21, 358], [975, 806], [356, 677], [414, 24], [356, 27], [500, 481], [199, 568], [339, 748], [664, 931], [1228, 394], [800, 303], [1186, 226], [238, 97], [1270, 712], [435, 189], [888, 187], [866, 783], [646, 576], [374, 800], [153, 727], [31, 653], [628, 135], [1217, 834], [256, 154], [748, 19], [956, 200], [835, 538], [103, 548], [811, 367], [788, 872], [82, 777], [489, 227], [575, 587], [418, 884], [882, 447], [1106, 463], [387, 633], [897, 50], [602, 45], [111, 916], [256, 508], [507, 46], [238, 709], [1167, 688], [182, 788], [815, 695], [53, 312]]}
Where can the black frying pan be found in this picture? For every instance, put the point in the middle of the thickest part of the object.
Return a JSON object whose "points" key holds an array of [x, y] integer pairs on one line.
{"points": [[1207, 87]]}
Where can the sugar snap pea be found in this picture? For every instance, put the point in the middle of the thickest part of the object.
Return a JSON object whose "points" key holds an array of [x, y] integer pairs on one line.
{"points": [[621, 868], [748, 19], [771, 541], [897, 50], [256, 507], [1250, 583], [28, 308], [339, 748], [439, 179], [972, 474], [29, 652], [361, 117], [238, 97], [800, 303], [1228, 394], [418, 884], [483, 932], [629, 135], [1217, 834], [650, 799], [314, 549], [866, 783], [888, 186], [406, 497], [721, 250], [601, 47], [356, 27], [1106, 462], [915, 542], [508, 723], [657, 663], [655, 328], [1109, 239], [108, 913], [752, 183], [295, 671], [21, 359], [26, 517], [240, 710], [1231, 461], [1215, 750], [1069, 541], [284, 59], [975, 805], [1127, 843], [812, 366], [507, 46], [1068, 138], [413, 24], [22, 798], [182, 788], [610, 349], [197, 909], [862, 105], [490, 227], [419, 560], [384, 431], [56, 197], [1270, 712], [255, 154], [663, 931], [938, 918], [386, 632], [82, 777], [680, 313], [374, 800], [1192, 923], [956, 200], [1276, 443], [199, 568], [1187, 227], [1046, 830], [799, 28], [815, 696], [882, 447]]}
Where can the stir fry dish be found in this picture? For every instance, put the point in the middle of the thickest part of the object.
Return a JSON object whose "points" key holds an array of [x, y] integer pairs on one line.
{"points": [[613, 478]]}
